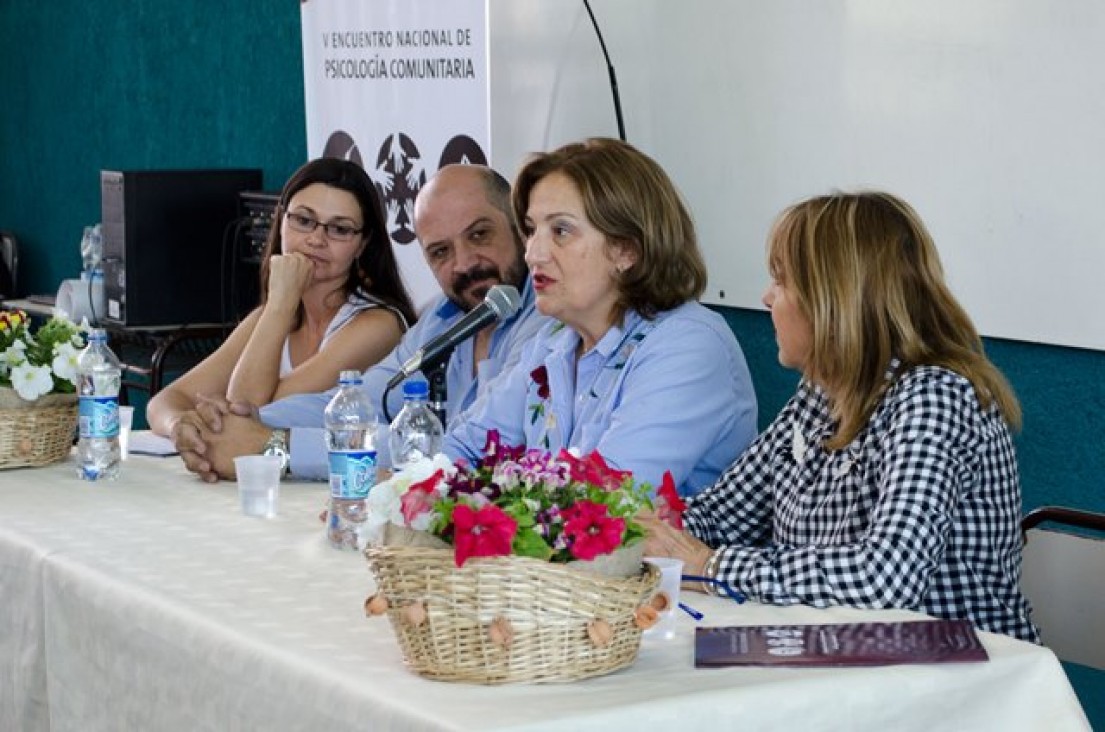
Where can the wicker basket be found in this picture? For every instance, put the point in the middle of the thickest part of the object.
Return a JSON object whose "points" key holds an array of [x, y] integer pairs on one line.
{"points": [[36, 433], [508, 619]]}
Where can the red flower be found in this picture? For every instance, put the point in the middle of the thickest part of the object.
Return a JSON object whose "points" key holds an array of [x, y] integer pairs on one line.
{"points": [[540, 376], [593, 470], [669, 506], [420, 497], [591, 531], [487, 532]]}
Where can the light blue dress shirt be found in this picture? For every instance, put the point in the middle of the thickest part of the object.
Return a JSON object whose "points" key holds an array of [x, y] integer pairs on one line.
{"points": [[303, 413], [672, 393]]}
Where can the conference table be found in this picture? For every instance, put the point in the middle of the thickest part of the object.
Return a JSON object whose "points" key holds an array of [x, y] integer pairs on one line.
{"points": [[151, 603]]}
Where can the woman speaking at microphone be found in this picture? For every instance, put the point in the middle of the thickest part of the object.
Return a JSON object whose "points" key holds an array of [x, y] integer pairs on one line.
{"points": [[631, 365], [331, 299]]}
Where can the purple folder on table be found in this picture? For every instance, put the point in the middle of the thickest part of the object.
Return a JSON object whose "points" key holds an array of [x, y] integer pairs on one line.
{"points": [[849, 644]]}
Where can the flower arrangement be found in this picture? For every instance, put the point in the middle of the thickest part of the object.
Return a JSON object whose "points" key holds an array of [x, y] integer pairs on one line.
{"points": [[514, 501], [35, 364]]}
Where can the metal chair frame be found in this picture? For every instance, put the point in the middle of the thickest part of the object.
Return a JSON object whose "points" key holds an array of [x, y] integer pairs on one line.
{"points": [[1064, 578]]}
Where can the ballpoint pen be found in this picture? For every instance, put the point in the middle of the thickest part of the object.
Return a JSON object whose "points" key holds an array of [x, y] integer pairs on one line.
{"points": [[732, 594], [691, 611]]}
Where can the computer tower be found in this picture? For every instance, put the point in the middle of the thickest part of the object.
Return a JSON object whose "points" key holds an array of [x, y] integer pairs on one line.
{"points": [[170, 245]]}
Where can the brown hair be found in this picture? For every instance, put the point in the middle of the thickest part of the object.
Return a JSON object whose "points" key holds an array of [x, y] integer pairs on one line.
{"points": [[865, 272], [630, 199], [375, 271]]}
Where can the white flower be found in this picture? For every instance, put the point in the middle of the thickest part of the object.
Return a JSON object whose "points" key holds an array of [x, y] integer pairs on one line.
{"points": [[34, 363], [31, 382], [12, 356], [422, 521], [381, 506], [65, 362], [384, 503]]}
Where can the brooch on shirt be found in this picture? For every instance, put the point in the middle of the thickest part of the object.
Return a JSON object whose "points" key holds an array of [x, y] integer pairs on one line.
{"points": [[843, 468], [798, 445], [848, 462]]}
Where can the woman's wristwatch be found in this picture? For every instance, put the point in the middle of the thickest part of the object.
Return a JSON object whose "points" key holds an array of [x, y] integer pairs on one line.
{"points": [[278, 445]]}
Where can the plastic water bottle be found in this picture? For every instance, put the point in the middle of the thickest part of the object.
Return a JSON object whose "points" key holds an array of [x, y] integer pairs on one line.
{"points": [[92, 248], [351, 441], [416, 431], [98, 379]]}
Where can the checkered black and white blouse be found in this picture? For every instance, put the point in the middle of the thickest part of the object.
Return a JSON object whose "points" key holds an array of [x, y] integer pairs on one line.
{"points": [[921, 511]]}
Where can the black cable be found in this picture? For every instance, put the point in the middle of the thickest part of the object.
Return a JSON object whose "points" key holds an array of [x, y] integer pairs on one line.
{"points": [[224, 284], [222, 270], [95, 319], [384, 405], [235, 274], [610, 71]]}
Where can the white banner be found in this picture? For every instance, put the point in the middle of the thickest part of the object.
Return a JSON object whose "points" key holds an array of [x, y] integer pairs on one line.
{"points": [[401, 88]]}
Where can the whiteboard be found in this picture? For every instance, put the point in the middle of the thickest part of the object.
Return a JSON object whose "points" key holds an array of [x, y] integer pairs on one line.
{"points": [[987, 115]]}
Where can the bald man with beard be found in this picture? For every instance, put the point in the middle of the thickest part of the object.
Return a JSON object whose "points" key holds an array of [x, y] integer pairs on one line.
{"points": [[464, 224]]}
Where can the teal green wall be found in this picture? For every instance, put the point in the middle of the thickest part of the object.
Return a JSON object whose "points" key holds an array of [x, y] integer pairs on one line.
{"points": [[1061, 448], [136, 84], [191, 83]]}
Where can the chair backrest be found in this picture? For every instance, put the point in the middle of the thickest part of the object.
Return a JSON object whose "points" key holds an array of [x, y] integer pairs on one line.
{"points": [[9, 265], [1063, 576]]}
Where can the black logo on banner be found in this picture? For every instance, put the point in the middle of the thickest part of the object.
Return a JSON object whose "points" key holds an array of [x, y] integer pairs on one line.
{"points": [[400, 172], [462, 149], [341, 145], [399, 175]]}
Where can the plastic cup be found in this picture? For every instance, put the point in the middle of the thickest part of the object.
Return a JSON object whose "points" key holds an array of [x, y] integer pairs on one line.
{"points": [[671, 576], [126, 421], [259, 484]]}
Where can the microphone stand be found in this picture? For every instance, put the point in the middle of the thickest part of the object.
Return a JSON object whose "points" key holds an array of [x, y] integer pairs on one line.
{"points": [[384, 403], [439, 390]]}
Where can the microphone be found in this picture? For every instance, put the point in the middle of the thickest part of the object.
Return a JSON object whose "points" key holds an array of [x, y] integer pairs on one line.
{"points": [[501, 301]]}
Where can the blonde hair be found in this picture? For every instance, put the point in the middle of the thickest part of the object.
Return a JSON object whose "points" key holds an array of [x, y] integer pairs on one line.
{"points": [[865, 272], [630, 199]]}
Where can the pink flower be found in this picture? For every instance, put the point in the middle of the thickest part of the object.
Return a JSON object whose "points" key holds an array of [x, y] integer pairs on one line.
{"points": [[420, 497], [487, 532], [669, 506], [591, 531]]}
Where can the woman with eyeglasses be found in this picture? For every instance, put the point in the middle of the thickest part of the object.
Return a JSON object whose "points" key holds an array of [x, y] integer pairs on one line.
{"points": [[331, 299]]}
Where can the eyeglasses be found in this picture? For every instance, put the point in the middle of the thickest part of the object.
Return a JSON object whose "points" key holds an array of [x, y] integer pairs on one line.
{"points": [[335, 232]]}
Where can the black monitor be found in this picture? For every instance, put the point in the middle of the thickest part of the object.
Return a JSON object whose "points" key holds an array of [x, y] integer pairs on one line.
{"points": [[170, 240]]}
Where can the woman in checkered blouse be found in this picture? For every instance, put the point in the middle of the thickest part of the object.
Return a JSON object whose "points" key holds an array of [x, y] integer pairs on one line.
{"points": [[889, 480]]}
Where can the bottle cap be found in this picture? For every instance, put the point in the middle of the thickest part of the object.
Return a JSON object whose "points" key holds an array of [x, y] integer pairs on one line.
{"points": [[349, 377], [415, 389]]}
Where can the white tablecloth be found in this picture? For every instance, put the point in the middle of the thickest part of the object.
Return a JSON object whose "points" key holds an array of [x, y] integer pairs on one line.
{"points": [[151, 603]]}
